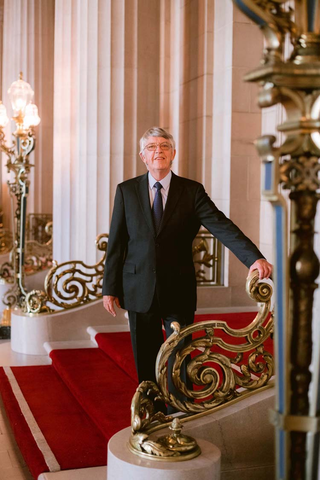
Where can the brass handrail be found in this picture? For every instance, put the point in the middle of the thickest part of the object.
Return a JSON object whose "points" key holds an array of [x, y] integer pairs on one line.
{"points": [[220, 378], [72, 284]]}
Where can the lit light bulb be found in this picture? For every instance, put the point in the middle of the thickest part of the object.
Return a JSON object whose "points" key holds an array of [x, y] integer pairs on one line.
{"points": [[20, 94], [31, 118]]}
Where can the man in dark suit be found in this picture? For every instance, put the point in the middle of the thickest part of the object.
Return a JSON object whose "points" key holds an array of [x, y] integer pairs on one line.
{"points": [[149, 266]]}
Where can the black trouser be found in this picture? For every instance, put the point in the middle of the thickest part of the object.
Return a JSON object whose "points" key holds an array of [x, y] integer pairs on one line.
{"points": [[147, 338]]}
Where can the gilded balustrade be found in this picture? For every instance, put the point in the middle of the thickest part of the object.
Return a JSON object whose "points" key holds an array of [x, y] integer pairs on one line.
{"points": [[38, 250], [71, 284], [217, 369], [39, 245], [207, 258]]}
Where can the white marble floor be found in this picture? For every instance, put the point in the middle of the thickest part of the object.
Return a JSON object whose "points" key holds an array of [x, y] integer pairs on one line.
{"points": [[12, 465]]}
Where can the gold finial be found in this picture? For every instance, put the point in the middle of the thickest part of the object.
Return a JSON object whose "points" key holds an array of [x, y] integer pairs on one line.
{"points": [[21, 76]]}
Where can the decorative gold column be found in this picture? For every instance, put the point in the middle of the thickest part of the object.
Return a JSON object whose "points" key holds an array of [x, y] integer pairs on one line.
{"points": [[293, 82], [26, 118]]}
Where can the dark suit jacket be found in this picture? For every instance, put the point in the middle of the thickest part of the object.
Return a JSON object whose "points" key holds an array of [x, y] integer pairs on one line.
{"points": [[139, 261]]}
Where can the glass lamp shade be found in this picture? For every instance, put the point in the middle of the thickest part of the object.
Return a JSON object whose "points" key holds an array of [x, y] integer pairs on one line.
{"points": [[20, 94], [3, 115], [31, 118]]}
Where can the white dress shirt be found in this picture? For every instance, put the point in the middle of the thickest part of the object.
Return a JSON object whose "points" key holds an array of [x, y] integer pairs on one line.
{"points": [[165, 182]]}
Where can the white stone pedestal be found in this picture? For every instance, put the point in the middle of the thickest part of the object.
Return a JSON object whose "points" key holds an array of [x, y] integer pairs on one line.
{"points": [[30, 332], [124, 464]]}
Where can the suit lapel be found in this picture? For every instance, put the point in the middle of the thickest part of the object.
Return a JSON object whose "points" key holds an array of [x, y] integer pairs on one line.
{"points": [[142, 189], [175, 191]]}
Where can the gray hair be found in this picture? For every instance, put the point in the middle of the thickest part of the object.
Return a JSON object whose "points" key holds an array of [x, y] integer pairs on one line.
{"points": [[156, 132]]}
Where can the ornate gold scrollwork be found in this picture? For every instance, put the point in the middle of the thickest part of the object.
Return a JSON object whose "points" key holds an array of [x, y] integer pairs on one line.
{"points": [[69, 284], [217, 368], [38, 257], [207, 255], [5, 241], [39, 227]]}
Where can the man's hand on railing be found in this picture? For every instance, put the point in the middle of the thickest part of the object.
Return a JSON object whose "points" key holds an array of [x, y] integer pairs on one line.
{"points": [[108, 303], [263, 266]]}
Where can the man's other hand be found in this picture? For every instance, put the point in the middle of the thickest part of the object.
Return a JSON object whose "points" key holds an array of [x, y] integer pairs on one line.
{"points": [[264, 268], [108, 303]]}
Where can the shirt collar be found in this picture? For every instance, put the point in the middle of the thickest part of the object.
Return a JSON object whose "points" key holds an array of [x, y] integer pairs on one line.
{"points": [[165, 182]]}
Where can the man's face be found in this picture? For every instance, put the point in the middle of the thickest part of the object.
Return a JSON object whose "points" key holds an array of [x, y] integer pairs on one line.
{"points": [[158, 161]]}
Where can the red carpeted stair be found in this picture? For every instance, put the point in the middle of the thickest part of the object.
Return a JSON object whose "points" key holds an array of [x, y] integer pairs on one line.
{"points": [[117, 345], [74, 440], [102, 388], [78, 403], [80, 400]]}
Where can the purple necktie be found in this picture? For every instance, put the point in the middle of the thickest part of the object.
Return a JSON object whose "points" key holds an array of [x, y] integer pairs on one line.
{"points": [[157, 209]]}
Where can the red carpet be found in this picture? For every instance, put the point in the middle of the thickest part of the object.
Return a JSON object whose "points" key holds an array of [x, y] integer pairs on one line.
{"points": [[74, 440], [117, 345], [96, 381], [79, 402]]}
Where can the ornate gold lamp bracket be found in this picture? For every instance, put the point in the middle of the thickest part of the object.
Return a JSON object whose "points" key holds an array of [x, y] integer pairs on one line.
{"points": [[221, 369], [293, 82], [26, 117]]}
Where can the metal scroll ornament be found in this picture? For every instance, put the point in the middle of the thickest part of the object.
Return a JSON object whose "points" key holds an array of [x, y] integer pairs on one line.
{"points": [[18, 163], [39, 252], [207, 259], [294, 83], [69, 284], [222, 363]]}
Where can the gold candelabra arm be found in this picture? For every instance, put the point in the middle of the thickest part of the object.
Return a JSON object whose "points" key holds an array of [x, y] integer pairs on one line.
{"points": [[9, 151]]}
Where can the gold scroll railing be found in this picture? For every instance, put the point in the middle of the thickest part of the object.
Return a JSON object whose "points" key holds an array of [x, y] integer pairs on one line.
{"points": [[37, 229], [39, 250], [72, 284], [218, 368], [69, 284], [207, 258]]}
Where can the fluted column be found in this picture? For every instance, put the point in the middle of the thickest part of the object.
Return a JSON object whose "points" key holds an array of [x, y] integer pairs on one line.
{"points": [[106, 96], [186, 84], [28, 29]]}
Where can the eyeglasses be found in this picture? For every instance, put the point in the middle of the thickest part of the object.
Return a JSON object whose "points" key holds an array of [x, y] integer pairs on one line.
{"points": [[152, 147]]}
